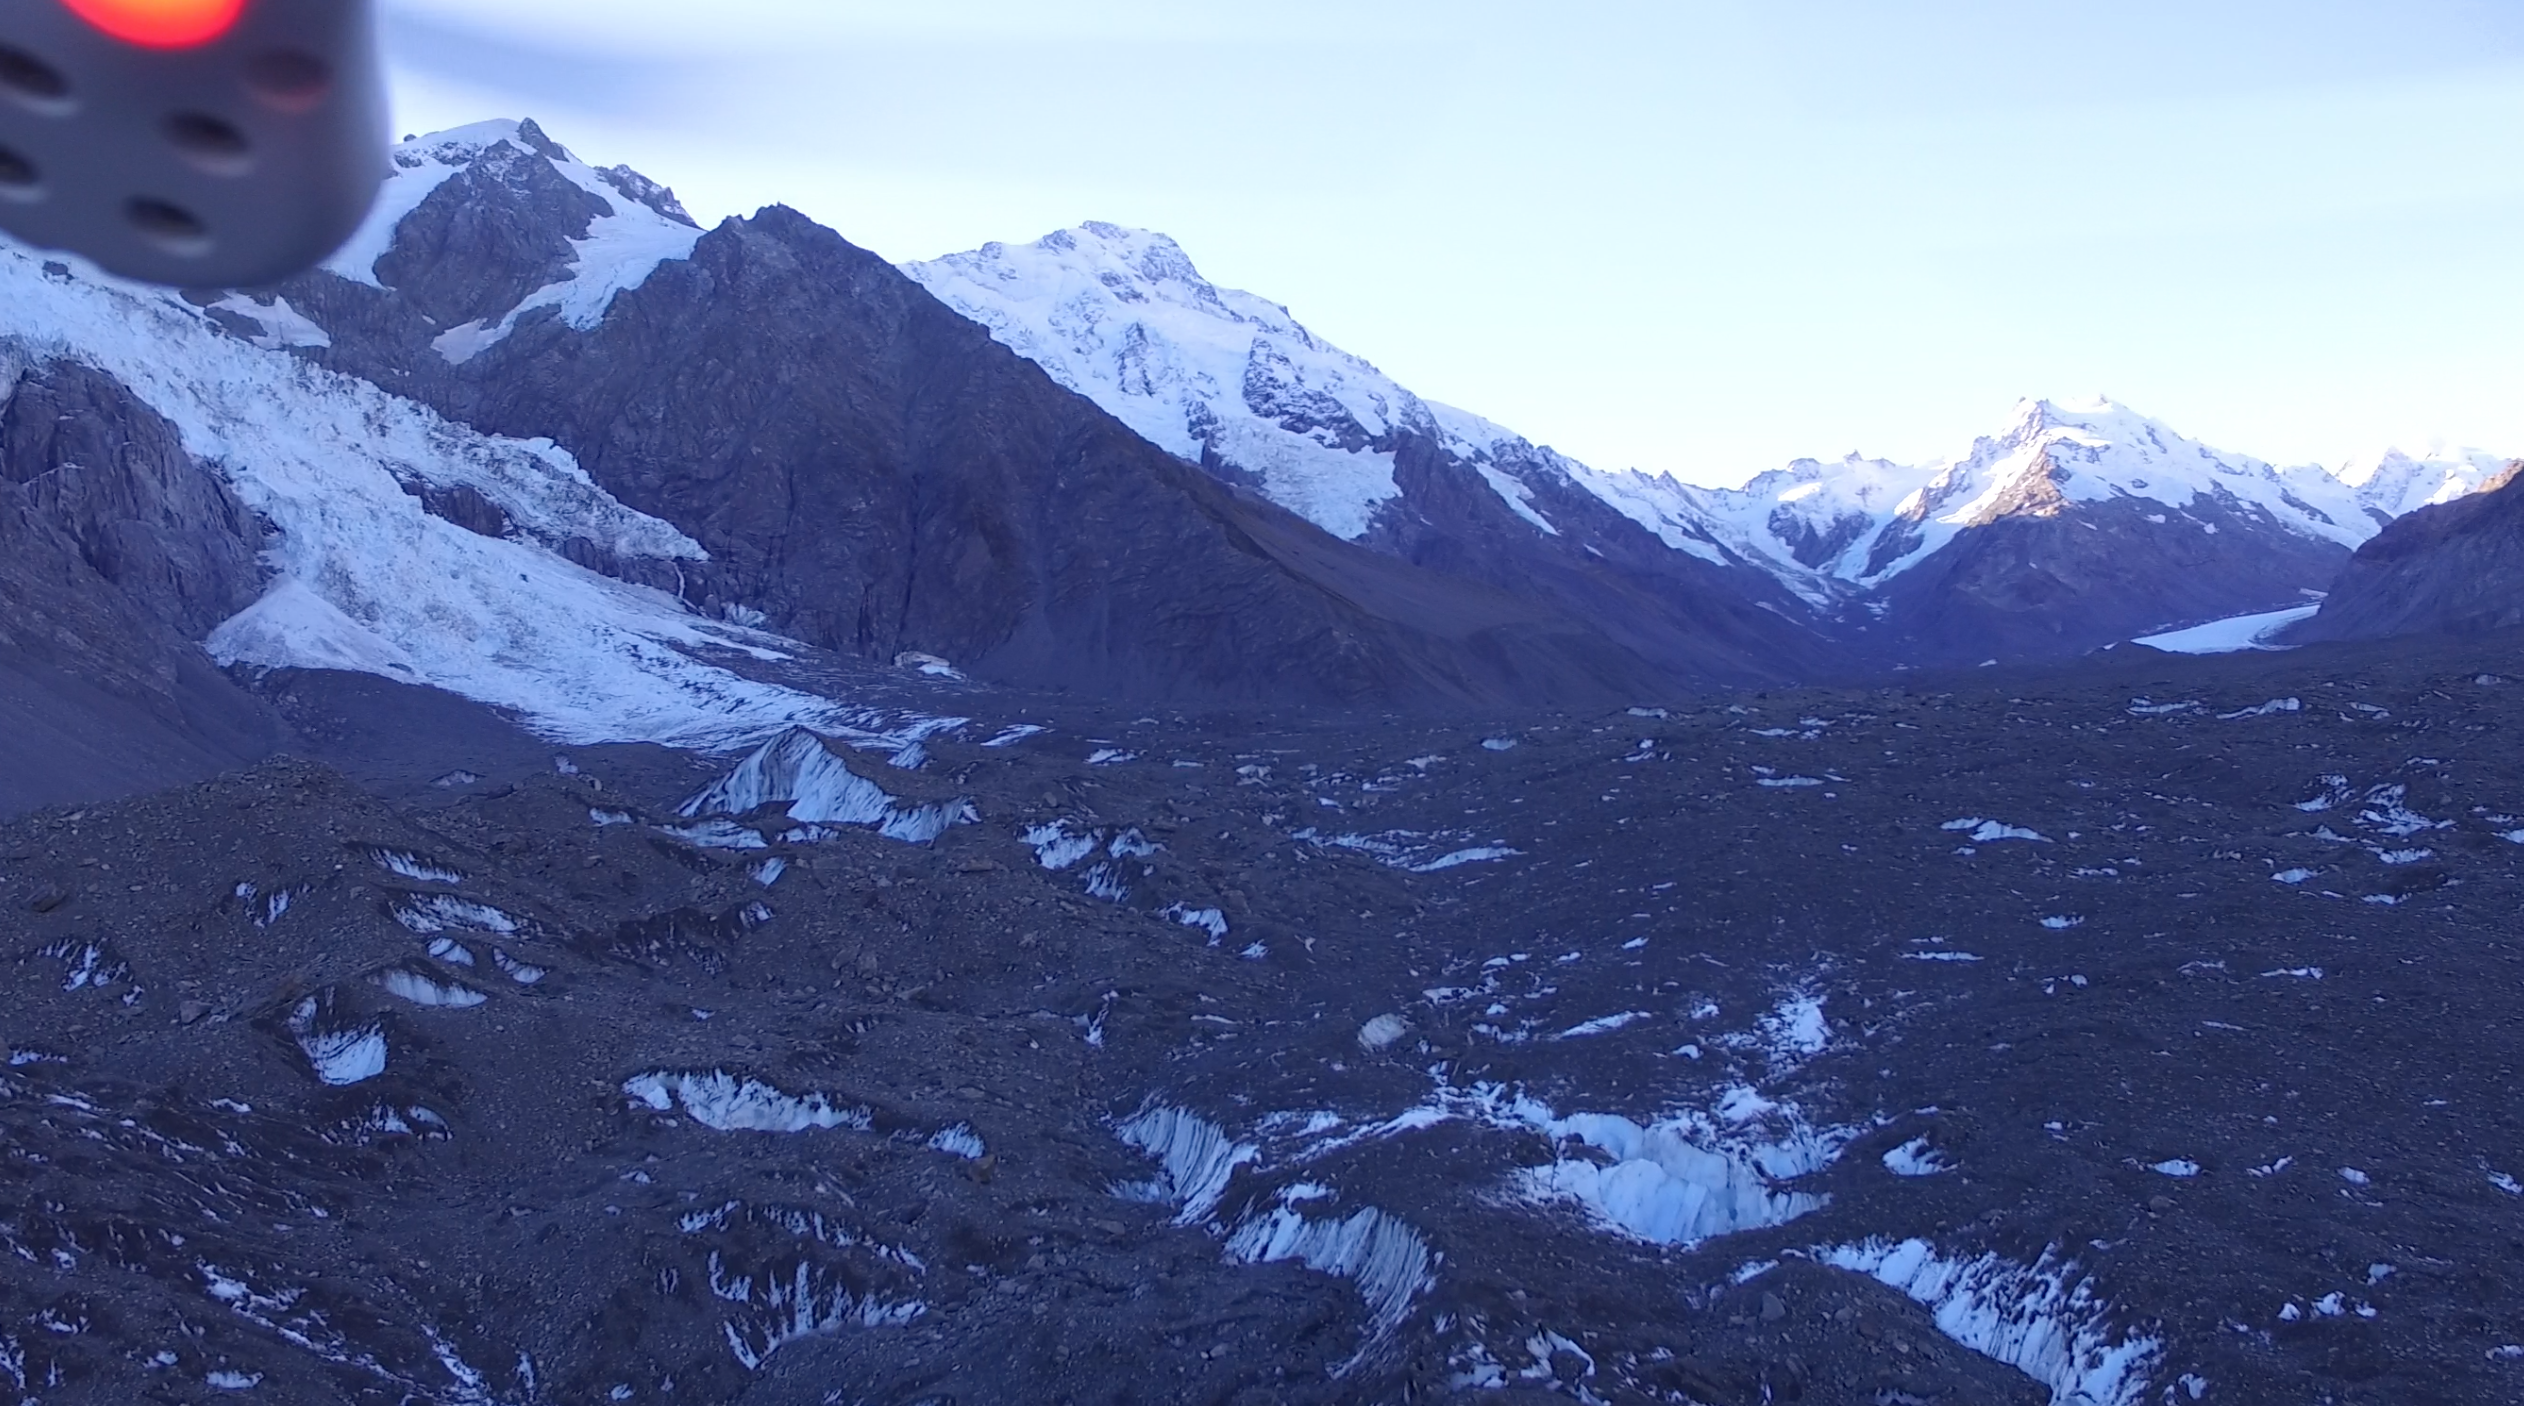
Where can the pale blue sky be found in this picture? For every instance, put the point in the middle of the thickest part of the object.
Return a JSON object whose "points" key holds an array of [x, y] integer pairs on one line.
{"points": [[1697, 236]]}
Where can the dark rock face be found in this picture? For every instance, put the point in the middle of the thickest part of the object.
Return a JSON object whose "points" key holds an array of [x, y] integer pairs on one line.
{"points": [[2456, 567], [117, 553], [465, 506], [2057, 580], [113, 476]]}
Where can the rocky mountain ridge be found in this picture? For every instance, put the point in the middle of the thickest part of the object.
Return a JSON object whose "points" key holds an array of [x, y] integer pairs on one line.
{"points": [[989, 517], [535, 439], [2448, 568]]}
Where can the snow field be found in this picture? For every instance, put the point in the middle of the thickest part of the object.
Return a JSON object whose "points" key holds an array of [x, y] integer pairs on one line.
{"points": [[1683, 1179], [1917, 1158], [1123, 318], [1056, 847], [1990, 832], [422, 989], [1196, 1159], [796, 1306], [1389, 1260], [1208, 920], [431, 913]]}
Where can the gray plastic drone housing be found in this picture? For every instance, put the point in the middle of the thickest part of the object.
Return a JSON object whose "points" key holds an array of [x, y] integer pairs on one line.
{"points": [[232, 164]]}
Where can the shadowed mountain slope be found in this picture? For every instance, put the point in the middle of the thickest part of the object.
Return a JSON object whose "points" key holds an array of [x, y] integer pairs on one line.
{"points": [[2455, 567]]}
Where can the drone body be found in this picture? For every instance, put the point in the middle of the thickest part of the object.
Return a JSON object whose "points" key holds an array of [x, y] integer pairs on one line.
{"points": [[199, 143]]}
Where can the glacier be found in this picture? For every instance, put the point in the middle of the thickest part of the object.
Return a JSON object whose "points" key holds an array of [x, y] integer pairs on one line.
{"points": [[2233, 636], [362, 578]]}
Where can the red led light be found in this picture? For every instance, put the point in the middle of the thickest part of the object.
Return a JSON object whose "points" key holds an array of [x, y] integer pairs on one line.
{"points": [[161, 24]]}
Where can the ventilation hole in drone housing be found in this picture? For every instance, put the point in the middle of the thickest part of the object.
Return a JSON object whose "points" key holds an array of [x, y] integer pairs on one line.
{"points": [[289, 80], [172, 227], [212, 143], [19, 180], [32, 81]]}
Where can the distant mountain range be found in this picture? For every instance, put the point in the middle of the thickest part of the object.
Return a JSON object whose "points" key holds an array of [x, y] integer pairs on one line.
{"points": [[2075, 526], [537, 439]]}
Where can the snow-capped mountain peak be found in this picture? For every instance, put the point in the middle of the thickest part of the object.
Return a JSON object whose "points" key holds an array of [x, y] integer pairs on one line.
{"points": [[1815, 512], [630, 223], [2095, 450], [1838, 530], [2055, 454], [2394, 482], [1140, 265], [1210, 374]]}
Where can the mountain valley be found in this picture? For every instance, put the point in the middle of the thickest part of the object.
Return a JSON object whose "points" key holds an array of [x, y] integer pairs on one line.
{"points": [[593, 810]]}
